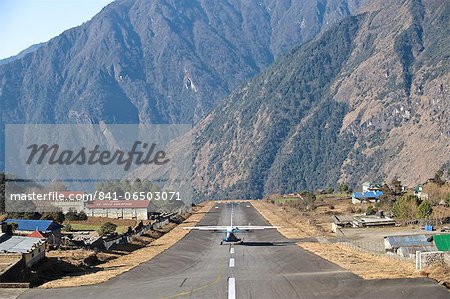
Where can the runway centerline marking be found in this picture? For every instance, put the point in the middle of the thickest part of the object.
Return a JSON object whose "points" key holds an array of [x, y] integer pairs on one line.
{"points": [[231, 262], [231, 288], [232, 250]]}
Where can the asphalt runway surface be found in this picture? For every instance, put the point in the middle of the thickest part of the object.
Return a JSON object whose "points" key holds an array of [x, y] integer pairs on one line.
{"points": [[266, 265]]}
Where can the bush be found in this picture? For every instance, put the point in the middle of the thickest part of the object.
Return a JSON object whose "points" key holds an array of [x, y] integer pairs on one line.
{"points": [[74, 216], [405, 208], [424, 210], [82, 216], [370, 210], [106, 228], [67, 227], [55, 216], [71, 216], [343, 188]]}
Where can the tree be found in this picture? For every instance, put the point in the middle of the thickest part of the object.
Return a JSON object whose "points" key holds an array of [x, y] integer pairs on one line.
{"points": [[406, 207], [107, 228], [424, 210], [343, 188], [329, 190], [82, 216], [55, 216], [438, 177], [67, 227], [396, 186], [370, 210]]}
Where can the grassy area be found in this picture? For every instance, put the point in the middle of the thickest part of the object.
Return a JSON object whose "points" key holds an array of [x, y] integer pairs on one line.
{"points": [[333, 195], [76, 226], [280, 200]]}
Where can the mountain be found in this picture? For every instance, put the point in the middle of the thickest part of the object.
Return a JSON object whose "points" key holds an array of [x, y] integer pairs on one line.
{"points": [[28, 50], [367, 100], [157, 61]]}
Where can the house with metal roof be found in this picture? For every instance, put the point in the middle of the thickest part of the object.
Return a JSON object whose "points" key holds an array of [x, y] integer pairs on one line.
{"points": [[48, 228], [368, 196], [31, 249], [408, 245], [122, 209], [370, 186]]}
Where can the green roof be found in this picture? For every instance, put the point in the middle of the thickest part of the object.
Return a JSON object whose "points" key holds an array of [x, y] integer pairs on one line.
{"points": [[442, 242]]}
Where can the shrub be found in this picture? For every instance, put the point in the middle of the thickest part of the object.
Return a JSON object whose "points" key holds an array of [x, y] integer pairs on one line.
{"points": [[106, 228], [343, 188], [55, 216], [67, 227], [71, 216], [424, 210], [405, 208], [82, 216], [370, 210]]}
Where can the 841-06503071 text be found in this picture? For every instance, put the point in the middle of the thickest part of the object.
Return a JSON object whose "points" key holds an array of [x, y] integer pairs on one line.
{"points": [[157, 195], [97, 195]]}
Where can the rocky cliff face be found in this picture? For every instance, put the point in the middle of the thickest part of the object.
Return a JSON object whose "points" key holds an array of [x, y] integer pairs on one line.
{"points": [[164, 61], [157, 61], [369, 99]]}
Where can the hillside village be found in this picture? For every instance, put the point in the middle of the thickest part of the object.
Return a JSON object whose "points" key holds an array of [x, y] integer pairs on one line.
{"points": [[392, 220], [83, 234], [388, 219]]}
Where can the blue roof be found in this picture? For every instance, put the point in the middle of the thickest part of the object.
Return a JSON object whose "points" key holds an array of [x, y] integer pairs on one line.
{"points": [[32, 225], [369, 194]]}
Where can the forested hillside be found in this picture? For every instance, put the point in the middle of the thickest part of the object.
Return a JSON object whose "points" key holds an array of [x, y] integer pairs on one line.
{"points": [[368, 100]]}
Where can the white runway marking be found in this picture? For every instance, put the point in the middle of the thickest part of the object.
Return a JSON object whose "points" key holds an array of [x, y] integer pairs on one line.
{"points": [[231, 262], [232, 250], [231, 288]]}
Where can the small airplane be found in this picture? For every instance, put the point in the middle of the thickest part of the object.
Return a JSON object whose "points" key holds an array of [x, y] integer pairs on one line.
{"points": [[231, 230]]}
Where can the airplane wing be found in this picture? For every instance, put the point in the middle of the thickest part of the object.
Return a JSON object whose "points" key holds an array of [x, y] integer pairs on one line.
{"points": [[253, 227], [211, 228]]}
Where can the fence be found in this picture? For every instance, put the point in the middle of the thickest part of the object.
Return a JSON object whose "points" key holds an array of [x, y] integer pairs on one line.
{"points": [[370, 247], [421, 259], [427, 259]]}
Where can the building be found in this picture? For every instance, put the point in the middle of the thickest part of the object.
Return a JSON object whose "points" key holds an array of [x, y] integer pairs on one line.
{"points": [[63, 201], [418, 191], [72, 201], [372, 221], [120, 209], [48, 228], [408, 245], [370, 186], [31, 249], [367, 196]]}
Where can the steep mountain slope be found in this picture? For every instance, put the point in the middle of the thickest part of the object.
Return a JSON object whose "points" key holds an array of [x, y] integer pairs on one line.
{"points": [[157, 61], [22, 53], [369, 99]]}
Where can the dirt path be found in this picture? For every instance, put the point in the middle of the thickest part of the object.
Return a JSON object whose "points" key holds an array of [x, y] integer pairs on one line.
{"points": [[127, 262], [291, 226], [364, 264]]}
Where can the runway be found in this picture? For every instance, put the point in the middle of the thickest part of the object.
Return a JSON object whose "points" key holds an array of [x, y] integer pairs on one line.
{"points": [[267, 265]]}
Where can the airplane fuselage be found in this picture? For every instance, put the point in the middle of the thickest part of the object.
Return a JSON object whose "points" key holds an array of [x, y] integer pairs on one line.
{"points": [[230, 236]]}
